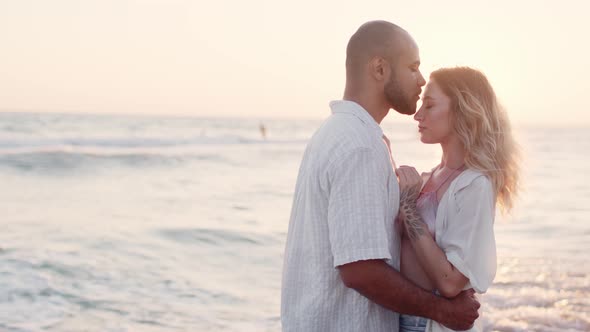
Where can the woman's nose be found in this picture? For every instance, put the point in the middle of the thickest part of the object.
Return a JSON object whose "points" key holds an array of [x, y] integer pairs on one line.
{"points": [[418, 115]]}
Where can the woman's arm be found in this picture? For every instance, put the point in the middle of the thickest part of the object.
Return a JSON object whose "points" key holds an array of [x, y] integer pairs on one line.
{"points": [[446, 278]]}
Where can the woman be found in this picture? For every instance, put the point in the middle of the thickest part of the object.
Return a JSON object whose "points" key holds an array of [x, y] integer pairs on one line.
{"points": [[448, 240]]}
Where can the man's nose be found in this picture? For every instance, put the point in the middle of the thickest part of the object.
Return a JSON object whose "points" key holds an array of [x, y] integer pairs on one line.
{"points": [[421, 80]]}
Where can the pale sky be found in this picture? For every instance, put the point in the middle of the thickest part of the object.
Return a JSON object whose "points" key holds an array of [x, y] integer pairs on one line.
{"points": [[263, 58]]}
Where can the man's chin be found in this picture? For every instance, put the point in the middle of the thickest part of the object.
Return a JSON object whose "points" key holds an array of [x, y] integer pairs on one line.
{"points": [[402, 105], [405, 111]]}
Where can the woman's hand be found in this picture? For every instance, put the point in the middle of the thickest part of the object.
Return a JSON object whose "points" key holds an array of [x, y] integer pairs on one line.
{"points": [[410, 184]]}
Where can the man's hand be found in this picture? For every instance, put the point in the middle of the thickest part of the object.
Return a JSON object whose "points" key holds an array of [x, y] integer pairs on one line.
{"points": [[462, 311]]}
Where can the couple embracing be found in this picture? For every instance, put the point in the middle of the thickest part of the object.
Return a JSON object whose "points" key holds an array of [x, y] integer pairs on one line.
{"points": [[375, 247]]}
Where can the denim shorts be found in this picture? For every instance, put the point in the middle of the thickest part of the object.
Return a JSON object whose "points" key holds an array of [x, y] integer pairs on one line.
{"points": [[409, 323]]}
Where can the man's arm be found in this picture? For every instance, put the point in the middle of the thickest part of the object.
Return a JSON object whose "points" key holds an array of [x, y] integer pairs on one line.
{"points": [[385, 286]]}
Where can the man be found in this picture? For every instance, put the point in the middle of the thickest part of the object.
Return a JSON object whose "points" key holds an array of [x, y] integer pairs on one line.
{"points": [[342, 255]]}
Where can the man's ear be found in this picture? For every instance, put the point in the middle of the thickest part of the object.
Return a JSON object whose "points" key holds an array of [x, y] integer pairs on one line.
{"points": [[379, 68]]}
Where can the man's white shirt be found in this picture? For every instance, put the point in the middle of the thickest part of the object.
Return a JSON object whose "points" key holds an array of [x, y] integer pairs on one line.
{"points": [[345, 202]]}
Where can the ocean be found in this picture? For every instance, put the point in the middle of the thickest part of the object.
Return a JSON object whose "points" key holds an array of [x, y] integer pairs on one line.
{"points": [[162, 223]]}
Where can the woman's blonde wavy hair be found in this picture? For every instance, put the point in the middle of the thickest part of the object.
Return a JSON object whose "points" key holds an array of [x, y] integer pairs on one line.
{"points": [[483, 127]]}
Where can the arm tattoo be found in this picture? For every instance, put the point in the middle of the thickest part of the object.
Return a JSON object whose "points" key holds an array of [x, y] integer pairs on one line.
{"points": [[415, 226]]}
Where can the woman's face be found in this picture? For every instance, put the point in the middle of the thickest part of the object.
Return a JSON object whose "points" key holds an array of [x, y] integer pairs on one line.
{"points": [[434, 116]]}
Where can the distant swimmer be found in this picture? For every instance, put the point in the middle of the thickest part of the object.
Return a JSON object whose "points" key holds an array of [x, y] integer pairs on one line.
{"points": [[262, 131]]}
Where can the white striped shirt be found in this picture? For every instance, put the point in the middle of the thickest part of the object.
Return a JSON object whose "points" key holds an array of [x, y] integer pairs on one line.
{"points": [[345, 202]]}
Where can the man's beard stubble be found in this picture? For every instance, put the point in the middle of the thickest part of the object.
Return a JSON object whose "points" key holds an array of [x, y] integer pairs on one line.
{"points": [[398, 100]]}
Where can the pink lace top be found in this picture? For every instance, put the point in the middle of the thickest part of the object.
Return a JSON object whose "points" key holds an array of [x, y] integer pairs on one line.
{"points": [[427, 202], [427, 205]]}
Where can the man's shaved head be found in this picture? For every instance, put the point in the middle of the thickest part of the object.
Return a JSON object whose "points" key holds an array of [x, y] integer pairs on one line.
{"points": [[382, 67], [374, 38]]}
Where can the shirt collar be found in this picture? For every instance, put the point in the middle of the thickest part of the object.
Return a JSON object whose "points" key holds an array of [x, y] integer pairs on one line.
{"points": [[350, 107]]}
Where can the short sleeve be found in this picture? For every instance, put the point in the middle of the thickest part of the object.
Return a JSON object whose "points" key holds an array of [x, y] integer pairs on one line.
{"points": [[468, 240], [357, 208]]}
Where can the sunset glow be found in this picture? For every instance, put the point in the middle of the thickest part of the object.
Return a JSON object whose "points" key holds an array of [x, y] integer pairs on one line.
{"points": [[272, 59]]}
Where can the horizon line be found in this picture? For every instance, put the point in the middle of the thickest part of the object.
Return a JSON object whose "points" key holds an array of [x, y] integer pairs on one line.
{"points": [[177, 114]]}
